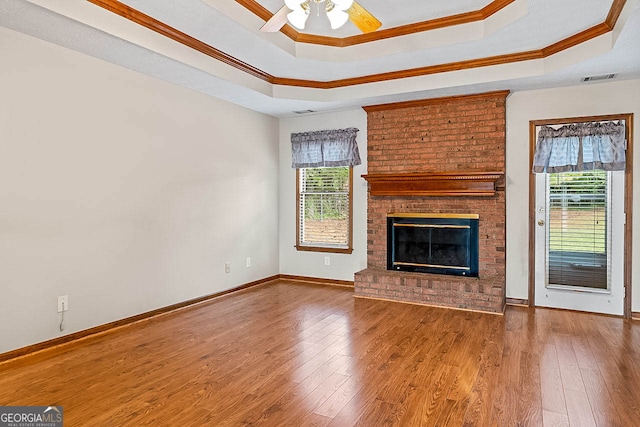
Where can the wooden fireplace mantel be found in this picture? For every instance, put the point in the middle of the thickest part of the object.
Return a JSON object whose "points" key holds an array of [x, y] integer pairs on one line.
{"points": [[434, 184]]}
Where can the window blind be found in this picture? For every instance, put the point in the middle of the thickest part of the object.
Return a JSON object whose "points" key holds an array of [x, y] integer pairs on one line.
{"points": [[324, 206], [578, 229]]}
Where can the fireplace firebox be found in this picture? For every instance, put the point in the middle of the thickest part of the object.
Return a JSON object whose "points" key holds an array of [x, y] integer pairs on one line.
{"points": [[433, 243]]}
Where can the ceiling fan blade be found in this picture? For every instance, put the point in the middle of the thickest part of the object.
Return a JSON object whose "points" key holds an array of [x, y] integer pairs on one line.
{"points": [[362, 18], [277, 21]]}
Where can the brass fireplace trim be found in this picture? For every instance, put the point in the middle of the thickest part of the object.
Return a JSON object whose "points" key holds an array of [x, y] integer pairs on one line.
{"points": [[414, 264]]}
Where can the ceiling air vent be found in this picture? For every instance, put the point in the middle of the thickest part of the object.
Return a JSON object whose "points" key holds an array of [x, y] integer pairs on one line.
{"points": [[600, 77], [304, 111]]}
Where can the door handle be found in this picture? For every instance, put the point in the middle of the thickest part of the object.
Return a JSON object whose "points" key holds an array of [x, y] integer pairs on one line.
{"points": [[541, 222]]}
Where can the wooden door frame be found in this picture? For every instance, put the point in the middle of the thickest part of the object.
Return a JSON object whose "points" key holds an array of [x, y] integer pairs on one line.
{"points": [[628, 200]]}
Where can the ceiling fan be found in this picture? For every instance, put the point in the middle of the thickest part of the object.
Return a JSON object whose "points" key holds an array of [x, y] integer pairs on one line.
{"points": [[296, 13]]}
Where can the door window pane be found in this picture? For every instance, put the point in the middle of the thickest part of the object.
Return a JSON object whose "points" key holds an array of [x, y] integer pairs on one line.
{"points": [[578, 229]]}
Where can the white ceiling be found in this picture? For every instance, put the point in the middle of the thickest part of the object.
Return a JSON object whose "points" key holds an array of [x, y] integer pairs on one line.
{"points": [[522, 26]]}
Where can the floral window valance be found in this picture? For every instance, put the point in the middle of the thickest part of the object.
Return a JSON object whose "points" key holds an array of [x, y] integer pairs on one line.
{"points": [[579, 147], [328, 148]]}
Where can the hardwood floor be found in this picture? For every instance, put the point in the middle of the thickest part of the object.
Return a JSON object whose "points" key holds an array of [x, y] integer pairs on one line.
{"points": [[287, 354]]}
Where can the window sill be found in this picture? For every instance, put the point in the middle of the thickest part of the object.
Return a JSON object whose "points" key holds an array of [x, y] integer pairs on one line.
{"points": [[330, 249]]}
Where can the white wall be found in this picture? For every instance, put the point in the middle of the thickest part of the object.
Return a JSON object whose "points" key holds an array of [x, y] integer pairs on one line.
{"points": [[311, 264], [583, 100], [123, 192]]}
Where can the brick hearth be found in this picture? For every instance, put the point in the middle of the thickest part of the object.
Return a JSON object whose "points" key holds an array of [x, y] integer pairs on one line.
{"points": [[456, 134]]}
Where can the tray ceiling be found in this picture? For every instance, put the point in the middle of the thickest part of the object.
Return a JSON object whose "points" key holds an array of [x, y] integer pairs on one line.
{"points": [[423, 49]]}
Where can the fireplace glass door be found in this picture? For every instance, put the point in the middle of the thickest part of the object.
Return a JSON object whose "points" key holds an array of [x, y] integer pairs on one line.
{"points": [[436, 243]]}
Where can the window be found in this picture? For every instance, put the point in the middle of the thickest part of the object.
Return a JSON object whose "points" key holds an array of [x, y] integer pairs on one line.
{"points": [[579, 228], [324, 208], [324, 179]]}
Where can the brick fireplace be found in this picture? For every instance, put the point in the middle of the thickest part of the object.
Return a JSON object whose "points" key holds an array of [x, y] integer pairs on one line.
{"points": [[437, 156]]}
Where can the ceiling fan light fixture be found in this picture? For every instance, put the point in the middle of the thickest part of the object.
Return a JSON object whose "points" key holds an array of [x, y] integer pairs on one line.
{"points": [[298, 18], [337, 17], [296, 12]]}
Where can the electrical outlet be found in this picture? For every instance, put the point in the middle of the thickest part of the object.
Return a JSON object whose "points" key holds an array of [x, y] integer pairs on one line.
{"points": [[248, 262], [327, 260], [227, 267], [63, 303]]}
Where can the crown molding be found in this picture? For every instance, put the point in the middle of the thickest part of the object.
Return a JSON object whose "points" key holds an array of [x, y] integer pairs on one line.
{"points": [[403, 30], [159, 27], [168, 31]]}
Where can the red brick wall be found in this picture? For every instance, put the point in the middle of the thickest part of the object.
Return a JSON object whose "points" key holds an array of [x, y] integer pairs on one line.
{"points": [[445, 135], [438, 135]]}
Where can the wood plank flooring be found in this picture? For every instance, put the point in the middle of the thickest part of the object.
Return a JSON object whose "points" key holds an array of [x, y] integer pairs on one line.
{"points": [[287, 354]]}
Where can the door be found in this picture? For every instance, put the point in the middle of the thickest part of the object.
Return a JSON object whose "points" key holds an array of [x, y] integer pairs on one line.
{"points": [[579, 241]]}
